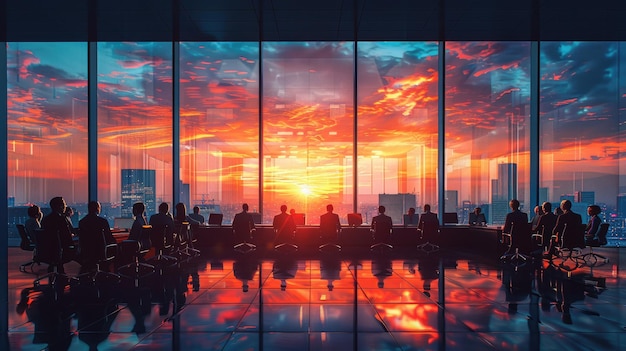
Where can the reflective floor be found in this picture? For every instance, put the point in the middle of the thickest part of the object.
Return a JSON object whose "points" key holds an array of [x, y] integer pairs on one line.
{"points": [[377, 302]]}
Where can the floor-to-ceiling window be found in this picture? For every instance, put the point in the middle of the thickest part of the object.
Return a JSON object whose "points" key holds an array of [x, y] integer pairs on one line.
{"points": [[219, 124], [46, 126], [397, 127], [582, 126], [308, 127], [134, 125], [487, 120]]}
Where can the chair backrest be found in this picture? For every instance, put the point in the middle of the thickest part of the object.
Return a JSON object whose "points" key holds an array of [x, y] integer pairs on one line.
{"points": [[158, 238], [450, 218], [182, 229], [25, 242], [604, 229], [355, 219], [92, 246], [145, 238], [48, 247]]}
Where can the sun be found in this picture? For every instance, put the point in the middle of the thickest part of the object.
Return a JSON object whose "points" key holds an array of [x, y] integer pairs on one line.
{"points": [[305, 190]]}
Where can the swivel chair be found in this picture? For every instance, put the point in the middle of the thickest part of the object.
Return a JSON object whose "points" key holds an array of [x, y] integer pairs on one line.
{"points": [[429, 236], [136, 249], [284, 241], [517, 241], [97, 252], [242, 241], [591, 258], [48, 250], [27, 245], [162, 244], [329, 237], [381, 233], [569, 252]]}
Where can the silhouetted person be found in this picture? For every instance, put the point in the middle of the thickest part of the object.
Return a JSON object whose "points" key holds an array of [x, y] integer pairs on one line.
{"points": [[243, 225], [516, 224], [284, 227], [196, 216], [180, 215], [593, 226], [535, 220], [162, 222], [411, 219], [33, 222], [381, 226], [95, 235], [381, 269], [330, 226], [139, 210], [545, 226], [477, 217], [56, 223], [429, 225], [568, 229], [244, 269]]}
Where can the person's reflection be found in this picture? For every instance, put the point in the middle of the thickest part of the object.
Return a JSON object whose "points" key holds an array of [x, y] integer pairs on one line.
{"points": [[330, 269], [95, 313], [517, 285], [139, 303], [244, 269], [284, 268], [50, 312], [569, 290], [381, 269], [429, 271]]}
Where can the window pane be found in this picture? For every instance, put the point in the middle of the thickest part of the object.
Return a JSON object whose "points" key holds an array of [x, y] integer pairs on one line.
{"points": [[582, 127], [134, 126], [397, 127], [47, 127], [487, 127], [219, 123], [308, 127]]}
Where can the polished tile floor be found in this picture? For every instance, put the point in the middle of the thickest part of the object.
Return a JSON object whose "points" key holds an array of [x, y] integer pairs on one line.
{"points": [[376, 302]]}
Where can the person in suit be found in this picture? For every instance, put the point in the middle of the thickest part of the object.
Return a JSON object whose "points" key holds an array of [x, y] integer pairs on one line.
{"points": [[329, 225], [162, 222], [411, 219], [516, 223], [284, 227], [593, 226], [568, 228], [95, 235], [243, 225], [533, 222], [33, 222], [381, 226], [196, 216], [56, 223], [429, 224], [545, 225], [477, 217]]}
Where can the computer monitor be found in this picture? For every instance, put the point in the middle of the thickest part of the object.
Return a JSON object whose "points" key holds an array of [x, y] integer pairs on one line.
{"points": [[298, 218], [123, 223], [256, 217], [215, 218], [355, 219], [450, 218]]}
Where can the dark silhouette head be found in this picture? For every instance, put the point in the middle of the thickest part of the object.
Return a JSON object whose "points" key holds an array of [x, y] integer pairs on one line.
{"points": [[93, 207], [57, 204], [329, 208], [138, 209], [283, 209], [514, 204], [245, 207], [427, 208], [164, 207], [381, 209]]}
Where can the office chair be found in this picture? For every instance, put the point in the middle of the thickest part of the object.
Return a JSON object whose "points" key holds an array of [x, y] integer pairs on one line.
{"points": [[162, 244], [591, 258], [569, 252], [429, 235], [100, 253], [243, 241], [329, 236], [48, 250], [27, 245], [515, 240], [136, 249], [381, 233]]}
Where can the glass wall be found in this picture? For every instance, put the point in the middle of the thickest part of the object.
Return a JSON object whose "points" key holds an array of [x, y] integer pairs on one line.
{"points": [[300, 149], [219, 124], [582, 126], [397, 127], [135, 128], [487, 133], [47, 127], [308, 124]]}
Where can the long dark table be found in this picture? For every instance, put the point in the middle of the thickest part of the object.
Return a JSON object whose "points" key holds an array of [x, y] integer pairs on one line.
{"points": [[462, 237]]}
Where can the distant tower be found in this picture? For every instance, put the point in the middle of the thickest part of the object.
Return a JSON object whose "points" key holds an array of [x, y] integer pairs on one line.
{"points": [[138, 185]]}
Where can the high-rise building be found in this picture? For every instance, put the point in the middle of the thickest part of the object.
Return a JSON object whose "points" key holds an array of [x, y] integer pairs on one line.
{"points": [[621, 206], [396, 204], [585, 197], [138, 185], [506, 186], [451, 201]]}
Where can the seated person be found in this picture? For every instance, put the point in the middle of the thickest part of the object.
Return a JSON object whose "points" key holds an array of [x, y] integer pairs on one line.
{"points": [[33, 222], [329, 226], [593, 226], [477, 217], [196, 216], [516, 224], [55, 223], [95, 235], [284, 227], [162, 222], [137, 228], [243, 225], [571, 237], [545, 225], [535, 221], [381, 226], [429, 224], [411, 219]]}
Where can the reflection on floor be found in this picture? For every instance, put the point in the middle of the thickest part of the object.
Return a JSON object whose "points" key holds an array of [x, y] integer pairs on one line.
{"points": [[381, 302]]}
